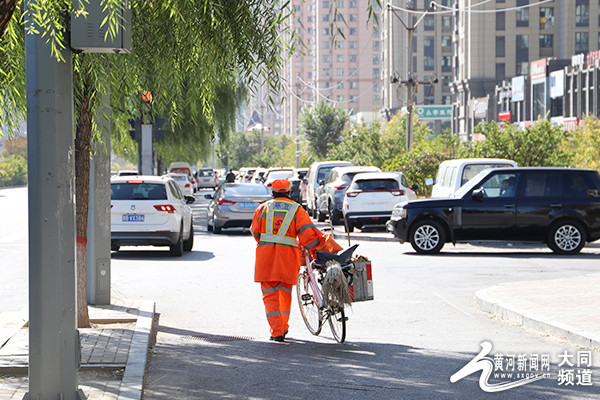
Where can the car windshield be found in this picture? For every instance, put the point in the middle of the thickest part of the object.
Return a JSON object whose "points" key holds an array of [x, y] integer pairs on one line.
{"points": [[245, 190], [375, 184], [278, 175], [471, 170], [179, 178], [205, 173], [470, 184], [137, 191]]}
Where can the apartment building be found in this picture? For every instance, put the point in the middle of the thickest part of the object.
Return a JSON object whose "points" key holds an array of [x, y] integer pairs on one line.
{"points": [[337, 58], [498, 40], [430, 30]]}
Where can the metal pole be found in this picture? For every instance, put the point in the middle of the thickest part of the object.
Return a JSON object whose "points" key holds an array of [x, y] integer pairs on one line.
{"points": [[54, 352], [409, 94]]}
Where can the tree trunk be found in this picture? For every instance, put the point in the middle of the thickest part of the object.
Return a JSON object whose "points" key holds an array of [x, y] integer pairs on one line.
{"points": [[7, 8], [82, 190]]}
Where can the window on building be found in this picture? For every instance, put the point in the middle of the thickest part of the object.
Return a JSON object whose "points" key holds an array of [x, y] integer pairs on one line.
{"points": [[546, 41], [522, 68], [352, 99], [310, 31], [446, 99], [522, 42], [446, 41], [326, 72], [353, 18], [326, 59], [375, 73], [446, 22], [428, 63], [340, 85], [325, 18], [500, 21], [353, 85], [326, 85], [309, 18], [446, 63], [500, 46], [376, 87], [429, 22], [353, 4], [582, 13], [325, 4], [340, 98], [353, 31], [339, 71], [340, 58], [339, 45], [376, 101], [353, 45], [375, 59], [500, 72], [582, 42], [546, 17], [375, 45], [353, 57], [340, 3], [326, 44], [522, 13], [326, 31]]}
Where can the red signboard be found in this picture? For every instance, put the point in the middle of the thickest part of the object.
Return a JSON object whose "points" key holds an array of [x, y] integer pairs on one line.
{"points": [[504, 116], [538, 69], [570, 123]]}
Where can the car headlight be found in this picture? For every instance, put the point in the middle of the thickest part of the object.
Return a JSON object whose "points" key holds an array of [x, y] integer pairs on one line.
{"points": [[399, 212]]}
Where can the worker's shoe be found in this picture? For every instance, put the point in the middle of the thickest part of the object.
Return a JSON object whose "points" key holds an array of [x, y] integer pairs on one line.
{"points": [[277, 338]]}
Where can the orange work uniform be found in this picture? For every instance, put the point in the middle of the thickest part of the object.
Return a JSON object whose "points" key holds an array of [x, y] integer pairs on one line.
{"points": [[275, 226]]}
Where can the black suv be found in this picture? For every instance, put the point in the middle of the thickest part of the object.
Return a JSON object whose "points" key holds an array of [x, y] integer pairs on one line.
{"points": [[556, 206]]}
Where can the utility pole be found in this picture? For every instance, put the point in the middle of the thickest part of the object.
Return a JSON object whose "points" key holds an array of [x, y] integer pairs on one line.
{"points": [[297, 124], [412, 81]]}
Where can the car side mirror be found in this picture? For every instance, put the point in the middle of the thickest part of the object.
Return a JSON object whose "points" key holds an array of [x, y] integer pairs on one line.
{"points": [[429, 181], [208, 196], [321, 183], [414, 187], [477, 194], [189, 199]]}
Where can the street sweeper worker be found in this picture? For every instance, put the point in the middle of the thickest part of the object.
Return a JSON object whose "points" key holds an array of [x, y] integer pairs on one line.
{"points": [[280, 226]]}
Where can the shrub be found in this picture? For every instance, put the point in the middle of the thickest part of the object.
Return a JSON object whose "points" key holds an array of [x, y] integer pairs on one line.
{"points": [[13, 171]]}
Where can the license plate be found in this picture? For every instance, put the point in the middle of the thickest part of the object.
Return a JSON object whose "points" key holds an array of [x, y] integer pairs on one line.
{"points": [[133, 218], [248, 205]]}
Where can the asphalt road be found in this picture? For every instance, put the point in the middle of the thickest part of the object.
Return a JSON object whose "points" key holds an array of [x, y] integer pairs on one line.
{"points": [[422, 327]]}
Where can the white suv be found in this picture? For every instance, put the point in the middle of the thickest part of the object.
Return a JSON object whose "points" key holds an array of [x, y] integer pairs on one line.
{"points": [[371, 197], [150, 210]]}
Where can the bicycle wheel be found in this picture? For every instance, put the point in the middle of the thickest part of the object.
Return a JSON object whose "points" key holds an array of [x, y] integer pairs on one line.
{"points": [[308, 304], [337, 323]]}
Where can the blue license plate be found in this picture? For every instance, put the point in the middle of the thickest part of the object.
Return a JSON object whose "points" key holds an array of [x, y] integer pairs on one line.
{"points": [[251, 206], [133, 218]]}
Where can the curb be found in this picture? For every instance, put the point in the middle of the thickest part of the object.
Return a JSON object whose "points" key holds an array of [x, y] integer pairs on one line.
{"points": [[132, 384], [485, 302]]}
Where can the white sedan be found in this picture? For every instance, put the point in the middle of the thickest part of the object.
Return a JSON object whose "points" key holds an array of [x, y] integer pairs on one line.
{"points": [[184, 182], [371, 197], [150, 210]]}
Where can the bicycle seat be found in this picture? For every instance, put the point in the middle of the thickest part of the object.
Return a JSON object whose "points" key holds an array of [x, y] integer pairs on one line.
{"points": [[342, 257]]}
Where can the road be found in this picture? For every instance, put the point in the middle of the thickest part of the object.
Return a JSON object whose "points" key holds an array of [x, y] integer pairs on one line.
{"points": [[421, 328]]}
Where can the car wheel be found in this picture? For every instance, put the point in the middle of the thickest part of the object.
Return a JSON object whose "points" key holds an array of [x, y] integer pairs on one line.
{"points": [[320, 216], [189, 243], [115, 247], [349, 226], [334, 215], [177, 248], [218, 229], [566, 237], [209, 226], [427, 237]]}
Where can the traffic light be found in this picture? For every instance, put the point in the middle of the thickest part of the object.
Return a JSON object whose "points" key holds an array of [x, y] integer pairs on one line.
{"points": [[159, 131], [135, 131]]}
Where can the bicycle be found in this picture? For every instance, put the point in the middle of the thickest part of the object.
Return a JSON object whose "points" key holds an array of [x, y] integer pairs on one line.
{"points": [[314, 306]]}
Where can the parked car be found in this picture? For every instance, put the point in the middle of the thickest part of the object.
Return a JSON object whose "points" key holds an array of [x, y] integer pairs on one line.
{"points": [[150, 210], [295, 179], [207, 178], [317, 173], [183, 180], [127, 172], [331, 194], [245, 175], [233, 204], [452, 174], [276, 173], [372, 196], [556, 206], [259, 176]]}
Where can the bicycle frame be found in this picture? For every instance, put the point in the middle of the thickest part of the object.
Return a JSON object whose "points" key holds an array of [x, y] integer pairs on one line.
{"points": [[313, 281]]}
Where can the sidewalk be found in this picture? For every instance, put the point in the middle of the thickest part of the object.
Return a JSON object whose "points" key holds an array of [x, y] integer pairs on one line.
{"points": [[113, 352], [566, 308]]}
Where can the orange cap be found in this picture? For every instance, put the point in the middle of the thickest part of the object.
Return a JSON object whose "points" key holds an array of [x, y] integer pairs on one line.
{"points": [[281, 185]]}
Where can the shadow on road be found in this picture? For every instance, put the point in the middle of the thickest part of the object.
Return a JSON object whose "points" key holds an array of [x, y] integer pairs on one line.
{"points": [[160, 254], [188, 364]]}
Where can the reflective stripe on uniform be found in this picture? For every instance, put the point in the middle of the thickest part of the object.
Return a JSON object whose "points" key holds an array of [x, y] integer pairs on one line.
{"points": [[256, 235], [278, 287], [280, 208], [261, 243], [274, 313], [312, 244], [305, 227]]}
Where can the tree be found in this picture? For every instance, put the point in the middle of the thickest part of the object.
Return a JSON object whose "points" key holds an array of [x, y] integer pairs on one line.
{"points": [[322, 126], [183, 52], [584, 144]]}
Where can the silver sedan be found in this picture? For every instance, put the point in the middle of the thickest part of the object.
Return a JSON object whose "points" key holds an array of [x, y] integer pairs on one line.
{"points": [[233, 204]]}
